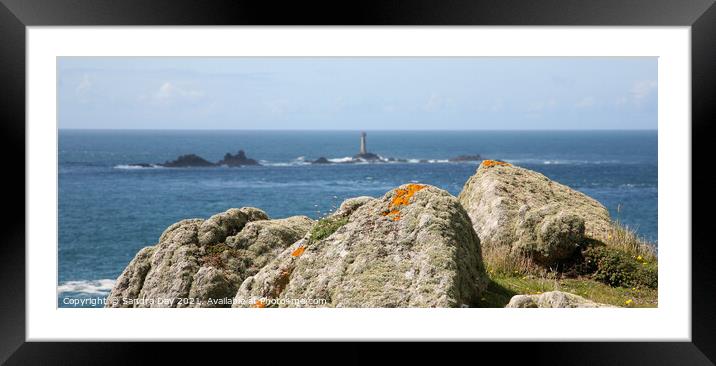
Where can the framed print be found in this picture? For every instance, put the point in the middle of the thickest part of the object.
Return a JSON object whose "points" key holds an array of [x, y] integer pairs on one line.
{"points": [[425, 172]]}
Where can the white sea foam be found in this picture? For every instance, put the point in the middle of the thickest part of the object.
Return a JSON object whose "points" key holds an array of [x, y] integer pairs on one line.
{"points": [[346, 159], [301, 160], [88, 287], [562, 162], [135, 167]]}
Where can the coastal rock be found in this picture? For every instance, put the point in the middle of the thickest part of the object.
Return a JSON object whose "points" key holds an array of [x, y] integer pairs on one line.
{"points": [[218, 227], [201, 263], [553, 299], [321, 160], [350, 205], [524, 211], [360, 158], [367, 157], [142, 165], [414, 247], [237, 160], [462, 158], [269, 236], [186, 161], [130, 282]]}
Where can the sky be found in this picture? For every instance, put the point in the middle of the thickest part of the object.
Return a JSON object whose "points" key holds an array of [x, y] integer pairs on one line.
{"points": [[358, 93]]}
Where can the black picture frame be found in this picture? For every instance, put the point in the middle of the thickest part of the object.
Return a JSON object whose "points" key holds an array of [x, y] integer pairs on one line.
{"points": [[16, 15]]}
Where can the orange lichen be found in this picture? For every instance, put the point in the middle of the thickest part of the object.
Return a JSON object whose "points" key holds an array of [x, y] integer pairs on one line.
{"points": [[401, 198], [491, 163], [258, 304], [298, 251], [403, 195]]}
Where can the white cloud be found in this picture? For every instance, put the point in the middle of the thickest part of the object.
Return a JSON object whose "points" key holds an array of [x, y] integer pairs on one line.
{"points": [[436, 102], [641, 90], [278, 107], [169, 92], [541, 105], [390, 108], [586, 102], [638, 94], [85, 85], [497, 105]]}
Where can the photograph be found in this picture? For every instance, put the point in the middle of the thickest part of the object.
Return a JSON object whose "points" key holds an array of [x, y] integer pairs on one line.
{"points": [[499, 175], [357, 182]]}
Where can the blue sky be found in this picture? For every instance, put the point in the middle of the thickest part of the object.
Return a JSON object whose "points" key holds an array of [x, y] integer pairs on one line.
{"points": [[357, 93]]}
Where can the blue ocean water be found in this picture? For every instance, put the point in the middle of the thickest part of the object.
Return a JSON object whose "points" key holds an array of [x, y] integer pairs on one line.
{"points": [[109, 210]]}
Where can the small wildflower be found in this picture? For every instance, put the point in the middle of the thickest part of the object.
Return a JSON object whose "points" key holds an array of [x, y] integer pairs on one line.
{"points": [[628, 302], [639, 258]]}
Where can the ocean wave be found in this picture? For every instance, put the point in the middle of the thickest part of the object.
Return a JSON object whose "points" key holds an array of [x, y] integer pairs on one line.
{"points": [[562, 161], [301, 160], [340, 185], [135, 167], [381, 159], [345, 159], [103, 286]]}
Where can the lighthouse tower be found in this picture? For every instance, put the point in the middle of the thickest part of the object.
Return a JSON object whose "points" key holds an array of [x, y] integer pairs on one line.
{"points": [[363, 150]]}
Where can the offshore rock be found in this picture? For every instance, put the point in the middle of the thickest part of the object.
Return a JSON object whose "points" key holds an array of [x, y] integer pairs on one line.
{"points": [[186, 161], [237, 160]]}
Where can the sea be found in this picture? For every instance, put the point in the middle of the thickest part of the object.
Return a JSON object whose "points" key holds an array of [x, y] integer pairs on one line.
{"points": [[109, 209]]}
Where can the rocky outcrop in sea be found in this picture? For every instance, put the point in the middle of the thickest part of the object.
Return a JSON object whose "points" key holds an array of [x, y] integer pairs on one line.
{"points": [[237, 160], [189, 160], [196, 161], [463, 158]]}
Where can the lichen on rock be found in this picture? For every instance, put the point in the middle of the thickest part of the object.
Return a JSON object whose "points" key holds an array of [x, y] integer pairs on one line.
{"points": [[553, 299], [528, 213], [429, 258], [197, 263]]}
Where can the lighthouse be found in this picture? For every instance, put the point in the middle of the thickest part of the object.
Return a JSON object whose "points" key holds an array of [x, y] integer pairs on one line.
{"points": [[364, 155], [363, 150]]}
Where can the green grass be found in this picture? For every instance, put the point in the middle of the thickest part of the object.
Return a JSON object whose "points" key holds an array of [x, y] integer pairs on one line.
{"points": [[625, 239], [502, 287], [325, 227], [623, 260]]}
